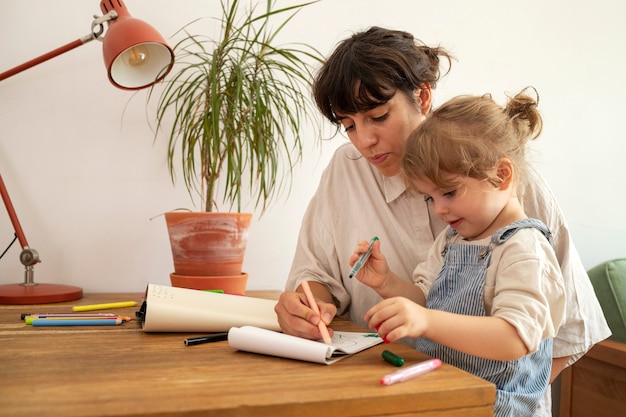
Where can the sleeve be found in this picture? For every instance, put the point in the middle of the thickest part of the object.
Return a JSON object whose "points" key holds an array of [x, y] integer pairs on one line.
{"points": [[529, 291], [585, 324], [321, 245], [316, 257]]}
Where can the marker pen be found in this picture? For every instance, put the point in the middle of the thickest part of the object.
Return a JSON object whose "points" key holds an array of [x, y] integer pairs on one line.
{"points": [[411, 372], [392, 358], [362, 259], [217, 337]]}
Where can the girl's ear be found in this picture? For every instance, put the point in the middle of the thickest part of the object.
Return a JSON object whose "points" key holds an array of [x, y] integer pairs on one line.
{"points": [[504, 172], [424, 96]]}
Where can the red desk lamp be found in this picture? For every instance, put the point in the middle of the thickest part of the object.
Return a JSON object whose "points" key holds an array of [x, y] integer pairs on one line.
{"points": [[136, 56]]}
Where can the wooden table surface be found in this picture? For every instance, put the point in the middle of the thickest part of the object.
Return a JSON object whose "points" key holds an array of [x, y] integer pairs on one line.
{"points": [[122, 371]]}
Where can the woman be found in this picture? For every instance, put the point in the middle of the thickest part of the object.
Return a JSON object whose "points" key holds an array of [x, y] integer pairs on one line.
{"points": [[377, 85]]}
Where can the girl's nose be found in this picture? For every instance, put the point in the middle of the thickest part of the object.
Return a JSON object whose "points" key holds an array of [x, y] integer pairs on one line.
{"points": [[440, 208]]}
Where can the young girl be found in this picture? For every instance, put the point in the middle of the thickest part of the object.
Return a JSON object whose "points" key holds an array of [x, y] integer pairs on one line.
{"points": [[491, 286]]}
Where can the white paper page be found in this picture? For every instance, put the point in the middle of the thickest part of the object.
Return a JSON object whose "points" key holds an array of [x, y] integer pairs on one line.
{"points": [[257, 340], [253, 339], [353, 342]]}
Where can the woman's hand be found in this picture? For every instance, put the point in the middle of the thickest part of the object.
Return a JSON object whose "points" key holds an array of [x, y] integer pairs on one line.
{"points": [[296, 318]]}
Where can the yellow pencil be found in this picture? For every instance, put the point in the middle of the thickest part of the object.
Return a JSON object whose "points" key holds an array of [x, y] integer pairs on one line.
{"points": [[105, 306]]}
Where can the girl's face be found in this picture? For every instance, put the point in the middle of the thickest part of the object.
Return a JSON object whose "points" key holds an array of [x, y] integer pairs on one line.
{"points": [[380, 134], [474, 208]]}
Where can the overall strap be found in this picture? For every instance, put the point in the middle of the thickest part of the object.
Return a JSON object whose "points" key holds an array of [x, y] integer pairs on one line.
{"points": [[503, 234], [506, 232]]}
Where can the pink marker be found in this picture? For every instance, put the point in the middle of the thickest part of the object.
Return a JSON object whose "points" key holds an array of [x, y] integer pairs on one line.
{"points": [[411, 372]]}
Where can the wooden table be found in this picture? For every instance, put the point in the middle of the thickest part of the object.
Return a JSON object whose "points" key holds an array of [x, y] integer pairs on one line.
{"points": [[595, 385], [122, 371]]}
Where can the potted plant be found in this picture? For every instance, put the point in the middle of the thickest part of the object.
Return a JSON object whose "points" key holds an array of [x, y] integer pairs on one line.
{"points": [[233, 109]]}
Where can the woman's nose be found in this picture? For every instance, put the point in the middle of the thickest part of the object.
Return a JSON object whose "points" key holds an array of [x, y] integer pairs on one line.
{"points": [[365, 135]]}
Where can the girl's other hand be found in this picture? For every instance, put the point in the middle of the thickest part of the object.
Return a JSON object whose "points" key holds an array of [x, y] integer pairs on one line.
{"points": [[397, 317]]}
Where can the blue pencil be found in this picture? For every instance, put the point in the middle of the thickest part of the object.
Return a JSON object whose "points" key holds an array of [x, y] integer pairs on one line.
{"points": [[95, 322]]}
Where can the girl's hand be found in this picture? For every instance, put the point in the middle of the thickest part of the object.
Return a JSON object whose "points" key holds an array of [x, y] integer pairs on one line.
{"points": [[375, 271], [398, 317]]}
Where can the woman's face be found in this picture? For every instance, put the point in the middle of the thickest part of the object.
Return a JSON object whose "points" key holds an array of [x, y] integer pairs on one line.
{"points": [[380, 134]]}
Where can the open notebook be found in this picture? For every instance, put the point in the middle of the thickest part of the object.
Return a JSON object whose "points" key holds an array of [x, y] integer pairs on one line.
{"points": [[268, 342]]}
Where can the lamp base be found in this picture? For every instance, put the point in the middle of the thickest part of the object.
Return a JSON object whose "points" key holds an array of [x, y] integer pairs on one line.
{"points": [[38, 293]]}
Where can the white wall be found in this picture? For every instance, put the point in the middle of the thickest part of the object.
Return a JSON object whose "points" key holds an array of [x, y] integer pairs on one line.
{"points": [[85, 177]]}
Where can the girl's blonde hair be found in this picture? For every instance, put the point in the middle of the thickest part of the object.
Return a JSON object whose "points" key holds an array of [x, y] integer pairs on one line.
{"points": [[468, 135]]}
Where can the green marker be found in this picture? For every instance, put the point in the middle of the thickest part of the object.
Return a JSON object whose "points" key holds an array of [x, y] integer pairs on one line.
{"points": [[392, 358], [362, 259]]}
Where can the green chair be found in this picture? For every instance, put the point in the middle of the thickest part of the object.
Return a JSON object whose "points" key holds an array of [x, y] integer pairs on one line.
{"points": [[609, 282]]}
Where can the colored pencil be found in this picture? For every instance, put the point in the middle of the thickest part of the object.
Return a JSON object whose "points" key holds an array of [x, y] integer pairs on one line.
{"points": [[30, 319], [96, 322], [105, 306], [47, 315]]}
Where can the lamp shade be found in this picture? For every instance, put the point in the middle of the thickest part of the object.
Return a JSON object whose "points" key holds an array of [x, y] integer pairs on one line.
{"points": [[135, 54]]}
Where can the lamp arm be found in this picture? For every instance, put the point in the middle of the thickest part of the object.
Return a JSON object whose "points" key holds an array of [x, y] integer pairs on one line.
{"points": [[43, 58], [28, 256], [97, 28], [12, 215]]}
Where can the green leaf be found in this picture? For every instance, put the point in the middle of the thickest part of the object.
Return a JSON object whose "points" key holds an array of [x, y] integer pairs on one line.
{"points": [[233, 107]]}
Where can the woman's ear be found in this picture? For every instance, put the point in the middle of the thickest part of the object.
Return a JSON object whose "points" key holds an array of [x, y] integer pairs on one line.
{"points": [[424, 96], [505, 173]]}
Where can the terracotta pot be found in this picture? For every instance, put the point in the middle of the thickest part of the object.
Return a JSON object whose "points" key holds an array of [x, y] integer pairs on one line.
{"points": [[230, 285], [208, 244]]}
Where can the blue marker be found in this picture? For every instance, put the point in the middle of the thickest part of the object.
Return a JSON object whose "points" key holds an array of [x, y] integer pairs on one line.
{"points": [[362, 259]]}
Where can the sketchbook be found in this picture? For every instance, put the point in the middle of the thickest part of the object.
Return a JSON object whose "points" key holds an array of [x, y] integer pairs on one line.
{"points": [[268, 342], [174, 309]]}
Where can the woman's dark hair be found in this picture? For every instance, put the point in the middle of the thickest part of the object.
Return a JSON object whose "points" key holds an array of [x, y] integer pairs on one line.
{"points": [[365, 71]]}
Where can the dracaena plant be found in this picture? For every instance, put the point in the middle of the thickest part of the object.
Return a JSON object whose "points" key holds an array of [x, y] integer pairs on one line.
{"points": [[234, 107]]}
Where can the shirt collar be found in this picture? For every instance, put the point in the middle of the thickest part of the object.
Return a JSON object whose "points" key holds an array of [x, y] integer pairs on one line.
{"points": [[393, 187]]}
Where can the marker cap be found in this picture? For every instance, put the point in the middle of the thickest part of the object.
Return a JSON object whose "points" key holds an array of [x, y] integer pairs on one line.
{"points": [[392, 358]]}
